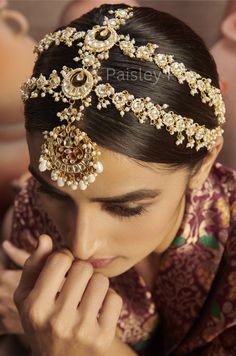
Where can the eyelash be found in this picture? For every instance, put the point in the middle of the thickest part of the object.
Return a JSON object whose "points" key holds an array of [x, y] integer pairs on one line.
{"points": [[117, 210], [122, 212]]}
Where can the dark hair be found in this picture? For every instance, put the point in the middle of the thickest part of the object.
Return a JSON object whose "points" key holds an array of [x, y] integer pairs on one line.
{"points": [[126, 135]]}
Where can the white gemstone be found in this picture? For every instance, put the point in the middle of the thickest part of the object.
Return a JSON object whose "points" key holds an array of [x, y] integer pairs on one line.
{"points": [[122, 12], [153, 113], [113, 22], [168, 120], [137, 105], [124, 44], [180, 125], [101, 89]]}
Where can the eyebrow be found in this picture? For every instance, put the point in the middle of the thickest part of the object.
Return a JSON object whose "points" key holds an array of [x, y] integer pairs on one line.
{"points": [[125, 198]]}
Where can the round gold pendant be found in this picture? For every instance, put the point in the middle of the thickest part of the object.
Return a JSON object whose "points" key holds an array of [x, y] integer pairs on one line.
{"points": [[77, 83], [100, 38], [71, 156]]}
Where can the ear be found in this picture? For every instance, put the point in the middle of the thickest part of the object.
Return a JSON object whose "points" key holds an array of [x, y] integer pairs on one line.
{"points": [[197, 180]]}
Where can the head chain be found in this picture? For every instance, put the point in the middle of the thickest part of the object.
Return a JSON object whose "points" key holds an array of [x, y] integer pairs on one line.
{"points": [[68, 152]]}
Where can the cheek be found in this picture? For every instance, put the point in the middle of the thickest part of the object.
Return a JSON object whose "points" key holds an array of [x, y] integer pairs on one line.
{"points": [[147, 231]]}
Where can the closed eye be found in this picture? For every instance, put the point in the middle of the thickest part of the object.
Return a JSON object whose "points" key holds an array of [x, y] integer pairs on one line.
{"points": [[124, 212], [118, 210]]}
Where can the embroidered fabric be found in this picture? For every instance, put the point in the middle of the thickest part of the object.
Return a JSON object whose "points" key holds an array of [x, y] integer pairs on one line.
{"points": [[193, 307]]}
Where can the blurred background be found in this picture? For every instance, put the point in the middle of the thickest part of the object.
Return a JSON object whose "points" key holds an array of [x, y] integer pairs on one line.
{"points": [[204, 17], [24, 22]]}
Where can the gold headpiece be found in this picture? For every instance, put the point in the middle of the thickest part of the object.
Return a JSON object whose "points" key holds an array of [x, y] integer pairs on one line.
{"points": [[68, 152]]}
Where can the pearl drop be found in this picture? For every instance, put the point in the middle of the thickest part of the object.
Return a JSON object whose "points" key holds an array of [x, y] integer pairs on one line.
{"points": [[91, 178], [99, 167], [82, 186], [43, 166], [74, 186], [54, 176], [60, 182]]}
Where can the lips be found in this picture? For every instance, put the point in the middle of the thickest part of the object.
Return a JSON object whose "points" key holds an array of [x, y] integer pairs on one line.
{"points": [[100, 263]]}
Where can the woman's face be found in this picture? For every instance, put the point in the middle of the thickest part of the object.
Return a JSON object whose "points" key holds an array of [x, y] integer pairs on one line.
{"points": [[100, 223]]}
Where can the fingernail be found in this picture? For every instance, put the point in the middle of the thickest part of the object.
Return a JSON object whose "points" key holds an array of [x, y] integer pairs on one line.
{"points": [[67, 252], [40, 241], [44, 241]]}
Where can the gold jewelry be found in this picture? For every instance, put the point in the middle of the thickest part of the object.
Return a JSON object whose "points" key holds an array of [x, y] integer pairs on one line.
{"points": [[68, 152]]}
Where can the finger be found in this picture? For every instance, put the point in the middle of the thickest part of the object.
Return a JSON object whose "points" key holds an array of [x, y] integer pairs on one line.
{"points": [[33, 266], [50, 279], [10, 278], [94, 296], [17, 255], [74, 285], [110, 311]]}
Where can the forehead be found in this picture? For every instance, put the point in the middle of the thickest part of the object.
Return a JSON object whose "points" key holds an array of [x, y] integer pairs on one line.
{"points": [[121, 173]]}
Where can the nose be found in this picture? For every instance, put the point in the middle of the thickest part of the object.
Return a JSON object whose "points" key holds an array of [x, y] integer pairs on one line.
{"points": [[85, 240]]}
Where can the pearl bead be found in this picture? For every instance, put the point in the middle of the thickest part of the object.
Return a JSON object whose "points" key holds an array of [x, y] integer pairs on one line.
{"points": [[74, 186], [54, 176], [91, 178], [99, 167], [82, 185], [43, 166], [60, 182]]}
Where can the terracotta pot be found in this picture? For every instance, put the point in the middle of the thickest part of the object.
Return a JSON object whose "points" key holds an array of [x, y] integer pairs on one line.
{"points": [[229, 27], [16, 64], [224, 53]]}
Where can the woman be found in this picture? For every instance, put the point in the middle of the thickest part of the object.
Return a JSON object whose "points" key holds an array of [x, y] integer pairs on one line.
{"points": [[128, 180]]}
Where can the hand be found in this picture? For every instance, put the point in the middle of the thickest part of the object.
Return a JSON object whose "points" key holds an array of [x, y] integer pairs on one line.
{"points": [[119, 348], [10, 322], [78, 319]]}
